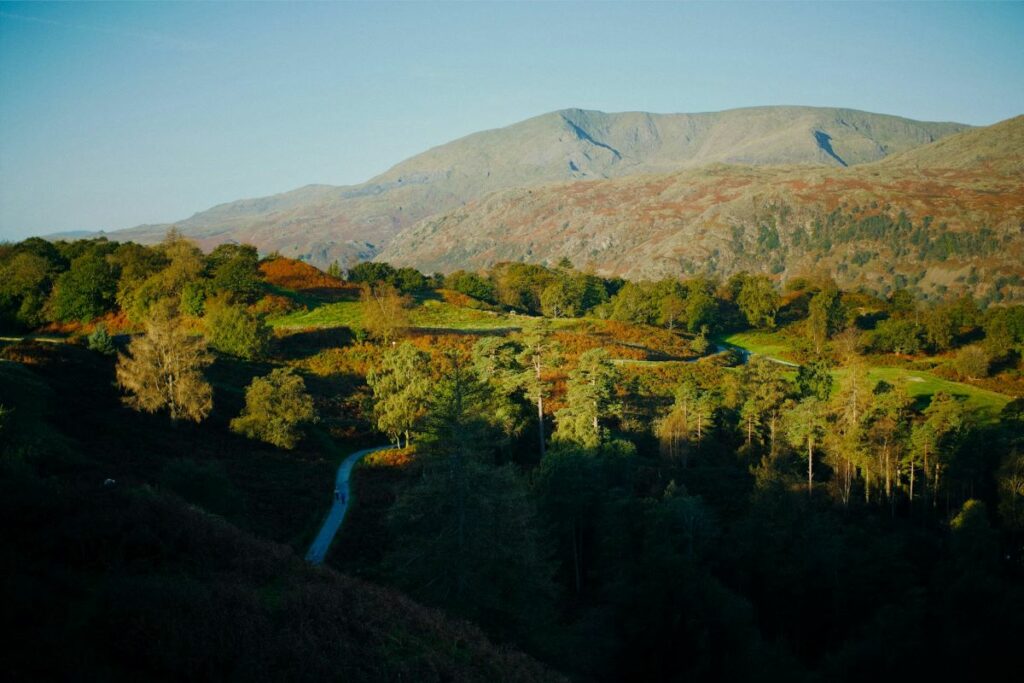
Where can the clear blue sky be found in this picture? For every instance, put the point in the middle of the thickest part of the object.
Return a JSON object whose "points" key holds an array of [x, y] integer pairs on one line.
{"points": [[112, 115]]}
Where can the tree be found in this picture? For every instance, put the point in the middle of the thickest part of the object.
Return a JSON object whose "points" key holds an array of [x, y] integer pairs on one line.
{"points": [[946, 422], [465, 530], [372, 272], [849, 411], [815, 379], [163, 369], [590, 398], [825, 316], [701, 307], [672, 305], [691, 417], [939, 328], [888, 429], [25, 282], [972, 362], [767, 392], [334, 270], [806, 425], [563, 297], [384, 312], [470, 284], [235, 269], [496, 361], [180, 279], [759, 301], [538, 355], [85, 291], [401, 385], [897, 335], [636, 302], [234, 330], [99, 340], [276, 408]]}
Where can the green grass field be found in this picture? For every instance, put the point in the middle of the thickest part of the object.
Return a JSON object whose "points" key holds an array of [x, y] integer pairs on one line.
{"points": [[426, 314], [762, 343], [918, 383]]}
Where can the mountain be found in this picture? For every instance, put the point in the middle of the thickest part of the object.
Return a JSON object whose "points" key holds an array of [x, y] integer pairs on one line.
{"points": [[321, 223], [945, 217]]}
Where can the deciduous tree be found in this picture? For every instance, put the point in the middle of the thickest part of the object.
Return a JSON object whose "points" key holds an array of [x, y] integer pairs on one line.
{"points": [[163, 369], [276, 408]]}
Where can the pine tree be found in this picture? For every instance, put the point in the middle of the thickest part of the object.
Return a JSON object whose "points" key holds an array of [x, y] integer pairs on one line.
{"points": [[590, 398]]}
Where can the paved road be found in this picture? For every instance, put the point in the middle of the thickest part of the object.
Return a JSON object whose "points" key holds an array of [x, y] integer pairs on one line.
{"points": [[318, 550]]}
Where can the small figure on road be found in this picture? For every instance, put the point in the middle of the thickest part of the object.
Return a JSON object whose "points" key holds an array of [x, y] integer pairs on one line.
{"points": [[337, 494], [343, 497]]}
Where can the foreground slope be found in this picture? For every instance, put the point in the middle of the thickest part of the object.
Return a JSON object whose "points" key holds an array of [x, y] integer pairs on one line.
{"points": [[124, 580], [944, 217], [322, 223]]}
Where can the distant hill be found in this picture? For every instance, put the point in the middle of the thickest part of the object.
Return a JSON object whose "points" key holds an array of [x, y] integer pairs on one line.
{"points": [[321, 223], [945, 217]]}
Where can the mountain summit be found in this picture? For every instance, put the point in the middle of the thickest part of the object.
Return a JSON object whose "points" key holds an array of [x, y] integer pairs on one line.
{"points": [[321, 223]]}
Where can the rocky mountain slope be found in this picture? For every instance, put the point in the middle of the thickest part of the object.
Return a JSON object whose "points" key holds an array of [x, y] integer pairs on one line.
{"points": [[945, 217], [321, 223]]}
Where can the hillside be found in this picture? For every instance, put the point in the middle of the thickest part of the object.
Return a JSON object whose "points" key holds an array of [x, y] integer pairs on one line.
{"points": [[943, 218], [128, 581], [321, 223]]}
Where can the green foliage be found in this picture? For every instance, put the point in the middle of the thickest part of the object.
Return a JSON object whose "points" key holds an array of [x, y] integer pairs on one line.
{"points": [[405, 280], [85, 291], [972, 362], [235, 270], [277, 406], [470, 284], [814, 379], [234, 330], [466, 535], [99, 340], [590, 398], [25, 282], [401, 385], [897, 335], [759, 301], [826, 316]]}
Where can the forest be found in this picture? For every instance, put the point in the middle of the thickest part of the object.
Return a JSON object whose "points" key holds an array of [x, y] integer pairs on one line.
{"points": [[589, 478]]}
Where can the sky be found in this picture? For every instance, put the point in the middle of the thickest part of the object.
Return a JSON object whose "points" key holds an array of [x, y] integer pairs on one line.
{"points": [[116, 114]]}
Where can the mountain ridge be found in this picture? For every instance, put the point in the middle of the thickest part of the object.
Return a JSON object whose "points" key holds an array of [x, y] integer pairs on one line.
{"points": [[322, 223], [944, 217]]}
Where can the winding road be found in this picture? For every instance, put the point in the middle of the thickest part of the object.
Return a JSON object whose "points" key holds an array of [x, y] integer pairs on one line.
{"points": [[318, 550]]}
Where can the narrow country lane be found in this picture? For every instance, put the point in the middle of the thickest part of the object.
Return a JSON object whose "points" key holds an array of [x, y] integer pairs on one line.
{"points": [[318, 550]]}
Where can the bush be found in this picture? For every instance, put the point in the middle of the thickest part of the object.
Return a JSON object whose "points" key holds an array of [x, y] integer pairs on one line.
{"points": [[276, 407], [971, 362], [232, 329], [100, 341]]}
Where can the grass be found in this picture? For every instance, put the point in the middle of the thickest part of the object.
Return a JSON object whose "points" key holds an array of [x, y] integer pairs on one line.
{"points": [[924, 385], [427, 313], [762, 343], [920, 384]]}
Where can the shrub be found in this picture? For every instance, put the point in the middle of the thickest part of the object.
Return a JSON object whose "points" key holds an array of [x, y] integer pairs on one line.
{"points": [[971, 362], [276, 408], [232, 329], [100, 341]]}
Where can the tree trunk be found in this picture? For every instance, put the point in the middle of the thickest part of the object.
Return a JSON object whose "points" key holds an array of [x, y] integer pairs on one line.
{"points": [[810, 465]]}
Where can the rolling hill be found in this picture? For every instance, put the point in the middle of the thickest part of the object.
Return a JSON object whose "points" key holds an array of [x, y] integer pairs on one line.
{"points": [[941, 218], [321, 223]]}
